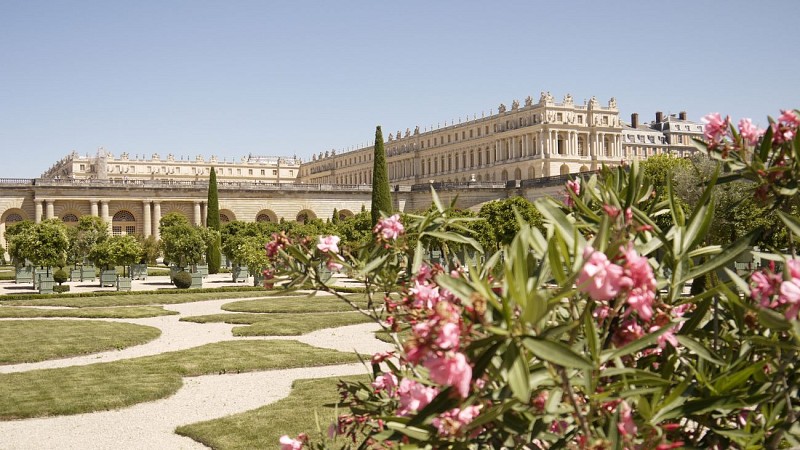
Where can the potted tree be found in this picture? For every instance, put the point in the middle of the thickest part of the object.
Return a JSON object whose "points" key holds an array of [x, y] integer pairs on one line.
{"points": [[251, 252], [90, 231], [183, 244], [125, 250], [102, 256], [19, 238], [48, 249]]}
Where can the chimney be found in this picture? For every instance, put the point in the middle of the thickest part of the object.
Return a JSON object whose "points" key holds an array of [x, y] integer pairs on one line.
{"points": [[682, 115], [659, 117], [635, 120]]}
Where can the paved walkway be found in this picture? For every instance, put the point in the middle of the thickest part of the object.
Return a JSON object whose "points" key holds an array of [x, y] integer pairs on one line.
{"points": [[152, 424]]}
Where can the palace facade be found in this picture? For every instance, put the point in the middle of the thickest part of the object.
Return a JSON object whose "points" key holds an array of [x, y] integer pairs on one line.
{"points": [[528, 149]]}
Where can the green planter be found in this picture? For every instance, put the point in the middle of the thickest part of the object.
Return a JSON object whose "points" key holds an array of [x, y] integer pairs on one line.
{"points": [[88, 273], [108, 278], [197, 280], [24, 275], [240, 274], [324, 273], [138, 271], [75, 275], [202, 269], [123, 284], [172, 271], [46, 283], [37, 272]]}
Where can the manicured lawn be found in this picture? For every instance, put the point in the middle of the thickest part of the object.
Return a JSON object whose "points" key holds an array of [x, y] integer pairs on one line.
{"points": [[122, 312], [297, 304], [281, 324], [145, 298], [37, 340], [79, 389], [262, 427]]}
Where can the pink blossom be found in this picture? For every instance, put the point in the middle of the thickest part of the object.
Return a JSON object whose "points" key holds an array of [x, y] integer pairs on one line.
{"points": [[628, 216], [389, 228], [425, 273], [794, 267], [451, 422], [749, 132], [386, 382], [328, 244], [333, 266], [449, 336], [640, 280], [414, 396], [627, 332], [763, 286], [611, 210], [288, 443], [782, 133], [667, 337], [626, 425], [715, 128], [790, 294], [599, 277], [425, 295], [789, 118], [451, 370], [575, 187]]}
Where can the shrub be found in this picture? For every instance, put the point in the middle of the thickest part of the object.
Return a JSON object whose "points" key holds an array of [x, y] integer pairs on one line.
{"points": [[60, 289], [182, 280], [60, 276]]}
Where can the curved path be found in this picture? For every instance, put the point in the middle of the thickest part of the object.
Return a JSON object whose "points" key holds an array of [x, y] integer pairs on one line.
{"points": [[152, 425]]}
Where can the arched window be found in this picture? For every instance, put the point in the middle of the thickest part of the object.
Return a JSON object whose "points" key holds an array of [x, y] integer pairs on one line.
{"points": [[70, 218], [223, 218], [123, 223], [13, 217]]}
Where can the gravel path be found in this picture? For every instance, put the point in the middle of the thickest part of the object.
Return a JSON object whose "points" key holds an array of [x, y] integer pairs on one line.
{"points": [[152, 425]]}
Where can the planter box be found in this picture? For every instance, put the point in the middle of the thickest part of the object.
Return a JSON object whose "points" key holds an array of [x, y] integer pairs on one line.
{"points": [[123, 284], [75, 275], [172, 271], [88, 273], [24, 275], [46, 284], [37, 272], [138, 271], [202, 269], [240, 274], [197, 280], [108, 278], [324, 273]]}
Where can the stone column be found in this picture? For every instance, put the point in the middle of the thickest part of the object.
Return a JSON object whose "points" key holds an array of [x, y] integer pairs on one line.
{"points": [[197, 219], [38, 211], [94, 210], [3, 238], [49, 209], [204, 213], [104, 214], [147, 218], [156, 219]]}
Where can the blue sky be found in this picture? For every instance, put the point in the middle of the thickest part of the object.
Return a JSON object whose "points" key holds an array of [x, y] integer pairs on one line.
{"points": [[299, 77]]}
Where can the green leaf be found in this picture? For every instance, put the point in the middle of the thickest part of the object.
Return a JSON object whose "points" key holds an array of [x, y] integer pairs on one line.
{"points": [[773, 320], [416, 433], [372, 265], [699, 350], [727, 255], [791, 222], [454, 237], [635, 346], [518, 372], [557, 353]]}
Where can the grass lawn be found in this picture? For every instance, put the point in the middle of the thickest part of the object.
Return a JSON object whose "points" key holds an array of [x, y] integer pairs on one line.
{"points": [[79, 389], [37, 340], [299, 304], [145, 298], [262, 427], [122, 312], [281, 324]]}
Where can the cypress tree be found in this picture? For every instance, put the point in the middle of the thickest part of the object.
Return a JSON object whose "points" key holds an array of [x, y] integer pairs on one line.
{"points": [[213, 254], [335, 217], [381, 193]]}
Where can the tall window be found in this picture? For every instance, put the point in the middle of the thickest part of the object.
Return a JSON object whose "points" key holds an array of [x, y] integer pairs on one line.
{"points": [[122, 223]]}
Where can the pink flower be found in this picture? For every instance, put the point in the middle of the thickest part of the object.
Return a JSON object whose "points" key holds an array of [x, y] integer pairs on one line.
{"points": [[599, 277], [386, 382], [451, 370], [668, 336], [389, 228], [626, 425], [328, 244], [574, 186], [425, 295], [627, 332], [414, 396], [449, 336], [288, 443], [749, 132], [790, 294], [640, 280], [789, 117], [794, 267], [763, 286], [451, 422], [425, 273], [333, 266], [715, 128]]}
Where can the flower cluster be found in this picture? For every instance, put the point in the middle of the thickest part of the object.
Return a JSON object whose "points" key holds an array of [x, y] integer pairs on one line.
{"points": [[389, 228], [772, 291]]}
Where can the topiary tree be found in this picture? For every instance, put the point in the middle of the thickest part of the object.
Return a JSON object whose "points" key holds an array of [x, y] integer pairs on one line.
{"points": [[60, 276], [501, 224], [213, 255], [182, 280], [183, 244], [89, 232], [49, 246], [381, 193], [124, 251]]}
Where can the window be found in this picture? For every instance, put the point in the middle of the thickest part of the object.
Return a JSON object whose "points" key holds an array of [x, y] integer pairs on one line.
{"points": [[291, 173], [580, 118], [263, 172], [238, 171], [249, 171], [479, 131], [83, 167], [178, 170], [560, 117], [230, 171], [605, 120]]}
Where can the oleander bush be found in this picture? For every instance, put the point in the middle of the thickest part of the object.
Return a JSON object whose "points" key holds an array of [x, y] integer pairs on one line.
{"points": [[584, 335]]}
